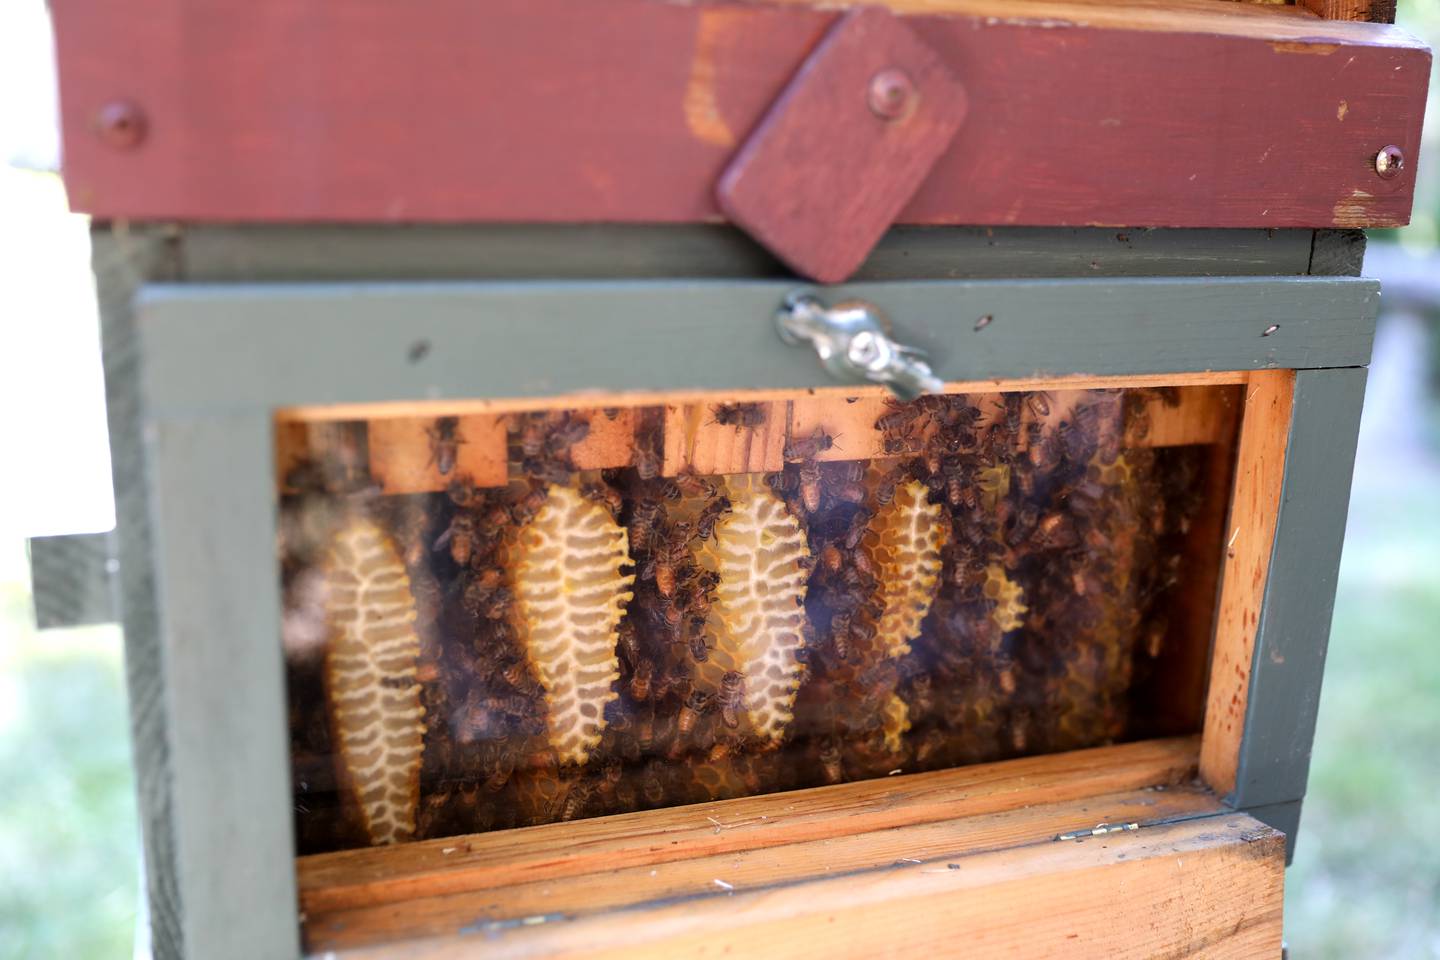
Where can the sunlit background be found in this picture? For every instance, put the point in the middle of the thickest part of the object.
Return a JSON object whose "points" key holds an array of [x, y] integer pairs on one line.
{"points": [[1366, 879]]}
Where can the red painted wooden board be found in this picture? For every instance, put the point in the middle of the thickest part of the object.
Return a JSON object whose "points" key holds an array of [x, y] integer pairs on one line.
{"points": [[843, 149], [628, 110]]}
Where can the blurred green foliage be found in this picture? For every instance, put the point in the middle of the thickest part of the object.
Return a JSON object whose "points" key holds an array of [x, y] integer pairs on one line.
{"points": [[69, 844], [1366, 878]]}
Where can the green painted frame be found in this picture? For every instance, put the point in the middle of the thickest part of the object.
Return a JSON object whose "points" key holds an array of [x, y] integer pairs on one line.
{"points": [[218, 359]]}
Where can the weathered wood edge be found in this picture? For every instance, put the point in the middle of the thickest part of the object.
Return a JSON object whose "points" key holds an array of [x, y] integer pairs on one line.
{"points": [[1284, 817], [123, 260], [1337, 253]]}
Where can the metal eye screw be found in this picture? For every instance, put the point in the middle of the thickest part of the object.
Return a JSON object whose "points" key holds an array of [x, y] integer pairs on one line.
{"points": [[852, 340]]}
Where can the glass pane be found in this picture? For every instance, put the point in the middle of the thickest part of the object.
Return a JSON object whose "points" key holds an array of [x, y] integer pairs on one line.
{"points": [[506, 617]]}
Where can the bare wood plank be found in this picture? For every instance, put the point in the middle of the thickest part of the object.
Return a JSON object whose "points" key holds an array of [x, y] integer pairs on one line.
{"points": [[356, 878], [1211, 887], [1254, 509], [852, 425], [936, 843], [1198, 415], [402, 461], [610, 442], [501, 405], [1372, 11], [696, 440]]}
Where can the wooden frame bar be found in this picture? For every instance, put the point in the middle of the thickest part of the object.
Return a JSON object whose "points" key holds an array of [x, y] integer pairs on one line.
{"points": [[230, 99], [442, 897], [190, 330]]}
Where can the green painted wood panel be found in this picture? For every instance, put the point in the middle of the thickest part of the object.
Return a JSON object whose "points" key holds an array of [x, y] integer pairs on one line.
{"points": [[212, 348]]}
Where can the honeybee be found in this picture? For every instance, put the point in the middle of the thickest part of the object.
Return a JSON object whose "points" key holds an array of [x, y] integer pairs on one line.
{"points": [[629, 644], [859, 523], [445, 440], [545, 470], [605, 495], [739, 415], [693, 485], [641, 679], [647, 462], [648, 440], [808, 448], [610, 776], [500, 764], [576, 800], [709, 516], [885, 490], [570, 431], [643, 520], [840, 635], [1039, 403], [810, 485], [691, 711], [830, 761], [532, 433], [460, 537], [652, 784], [732, 698], [831, 557], [1054, 531], [899, 419], [849, 489], [698, 649], [524, 509], [517, 674]]}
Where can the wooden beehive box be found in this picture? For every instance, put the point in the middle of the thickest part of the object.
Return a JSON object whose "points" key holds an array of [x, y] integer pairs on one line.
{"points": [[498, 583]]}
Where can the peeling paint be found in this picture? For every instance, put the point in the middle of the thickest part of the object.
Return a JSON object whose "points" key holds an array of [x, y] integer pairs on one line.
{"points": [[1356, 209], [1304, 46], [702, 111]]}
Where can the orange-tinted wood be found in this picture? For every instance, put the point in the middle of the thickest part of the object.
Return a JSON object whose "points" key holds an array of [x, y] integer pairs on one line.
{"points": [[1211, 887], [937, 844], [697, 439], [1254, 511], [366, 877], [403, 457]]}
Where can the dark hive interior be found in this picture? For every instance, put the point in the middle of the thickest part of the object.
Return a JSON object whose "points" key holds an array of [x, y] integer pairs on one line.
{"points": [[501, 619]]}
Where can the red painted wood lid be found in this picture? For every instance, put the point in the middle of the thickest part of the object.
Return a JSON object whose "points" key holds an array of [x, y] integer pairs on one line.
{"points": [[1208, 113]]}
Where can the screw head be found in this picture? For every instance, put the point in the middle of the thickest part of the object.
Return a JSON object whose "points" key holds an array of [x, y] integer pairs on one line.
{"points": [[121, 124], [1389, 162], [892, 94]]}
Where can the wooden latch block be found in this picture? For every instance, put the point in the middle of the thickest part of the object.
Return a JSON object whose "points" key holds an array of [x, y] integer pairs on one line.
{"points": [[845, 146]]}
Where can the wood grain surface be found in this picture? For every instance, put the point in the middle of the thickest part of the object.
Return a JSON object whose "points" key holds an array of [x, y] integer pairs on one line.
{"points": [[366, 877], [510, 110], [1250, 539]]}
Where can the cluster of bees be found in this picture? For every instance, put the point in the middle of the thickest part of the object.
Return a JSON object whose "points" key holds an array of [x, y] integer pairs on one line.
{"points": [[1060, 542]]}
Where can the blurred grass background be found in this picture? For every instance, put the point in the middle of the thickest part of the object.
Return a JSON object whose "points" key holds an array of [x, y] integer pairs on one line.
{"points": [[1366, 878]]}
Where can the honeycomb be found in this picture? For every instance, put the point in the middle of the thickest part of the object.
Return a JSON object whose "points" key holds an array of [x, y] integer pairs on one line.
{"points": [[758, 615], [570, 595], [905, 540], [370, 664]]}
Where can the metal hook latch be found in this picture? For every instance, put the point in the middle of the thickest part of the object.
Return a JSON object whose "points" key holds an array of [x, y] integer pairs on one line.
{"points": [[853, 342]]}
